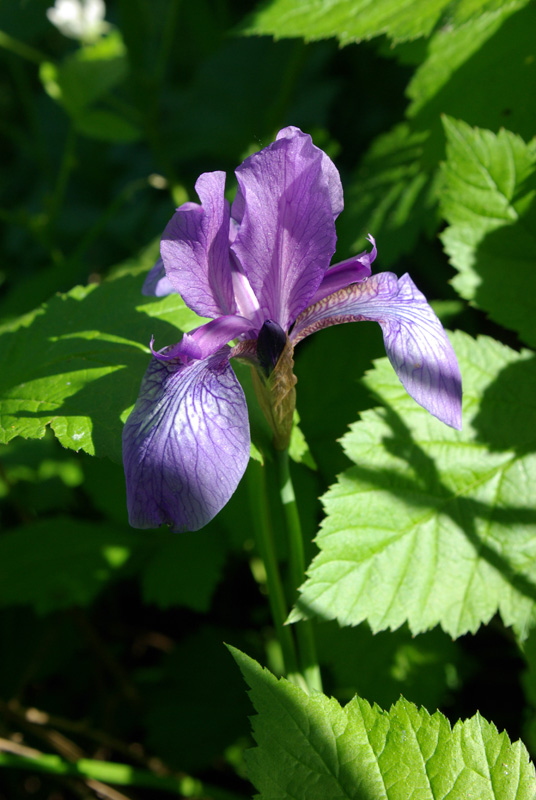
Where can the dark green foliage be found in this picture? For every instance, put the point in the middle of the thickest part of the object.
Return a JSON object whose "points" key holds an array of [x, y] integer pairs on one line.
{"points": [[112, 639]]}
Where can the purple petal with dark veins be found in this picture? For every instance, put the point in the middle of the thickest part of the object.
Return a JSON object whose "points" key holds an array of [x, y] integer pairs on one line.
{"points": [[195, 250], [341, 275], [287, 231], [157, 283], [331, 173], [415, 342], [185, 444], [205, 340]]}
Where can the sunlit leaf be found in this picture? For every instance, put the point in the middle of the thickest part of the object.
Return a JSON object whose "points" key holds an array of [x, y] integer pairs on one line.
{"points": [[352, 22], [490, 203], [76, 363], [481, 72], [434, 526], [311, 748]]}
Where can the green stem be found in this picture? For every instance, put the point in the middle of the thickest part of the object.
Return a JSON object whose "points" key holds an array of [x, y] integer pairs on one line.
{"points": [[21, 48], [304, 629], [265, 546], [112, 772]]}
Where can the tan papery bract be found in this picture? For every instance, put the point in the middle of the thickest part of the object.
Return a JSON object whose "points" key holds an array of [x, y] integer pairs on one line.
{"points": [[277, 396]]}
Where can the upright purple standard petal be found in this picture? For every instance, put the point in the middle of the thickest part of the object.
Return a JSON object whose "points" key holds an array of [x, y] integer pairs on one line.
{"points": [[415, 342], [330, 171], [287, 232], [341, 275], [195, 250], [186, 443]]}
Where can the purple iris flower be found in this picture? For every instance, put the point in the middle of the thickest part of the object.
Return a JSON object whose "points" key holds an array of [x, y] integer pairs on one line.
{"points": [[260, 269]]}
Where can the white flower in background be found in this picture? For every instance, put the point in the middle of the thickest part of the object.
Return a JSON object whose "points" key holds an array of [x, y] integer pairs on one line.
{"points": [[79, 19]]}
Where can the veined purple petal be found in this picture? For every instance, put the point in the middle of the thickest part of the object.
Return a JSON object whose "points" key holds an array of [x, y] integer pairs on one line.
{"points": [[195, 250], [157, 283], [185, 444], [415, 342], [341, 275], [205, 340], [287, 231], [331, 173]]}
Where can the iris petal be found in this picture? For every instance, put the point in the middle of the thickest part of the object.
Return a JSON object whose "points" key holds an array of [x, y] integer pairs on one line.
{"points": [[341, 275], [329, 170], [195, 250], [157, 283], [185, 444], [287, 232], [205, 340], [416, 344]]}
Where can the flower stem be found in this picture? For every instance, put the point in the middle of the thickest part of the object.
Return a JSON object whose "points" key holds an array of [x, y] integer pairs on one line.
{"points": [[304, 629], [265, 545]]}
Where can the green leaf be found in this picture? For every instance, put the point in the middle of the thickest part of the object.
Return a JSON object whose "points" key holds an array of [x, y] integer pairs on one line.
{"points": [[481, 72], [298, 448], [76, 363], [489, 202], [59, 562], [390, 195], [311, 748], [434, 526], [87, 75], [361, 19], [106, 125]]}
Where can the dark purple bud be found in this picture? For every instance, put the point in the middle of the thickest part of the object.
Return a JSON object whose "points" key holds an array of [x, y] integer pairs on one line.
{"points": [[270, 344]]}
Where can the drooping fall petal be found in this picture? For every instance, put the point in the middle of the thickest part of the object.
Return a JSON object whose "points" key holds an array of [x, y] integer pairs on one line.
{"points": [[416, 344], [186, 443]]}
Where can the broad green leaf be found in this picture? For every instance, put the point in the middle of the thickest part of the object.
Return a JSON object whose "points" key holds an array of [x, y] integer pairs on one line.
{"points": [[106, 125], [490, 203], [481, 72], [76, 362], [434, 526], [391, 195], [87, 75], [450, 48], [360, 19], [59, 562], [311, 748]]}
